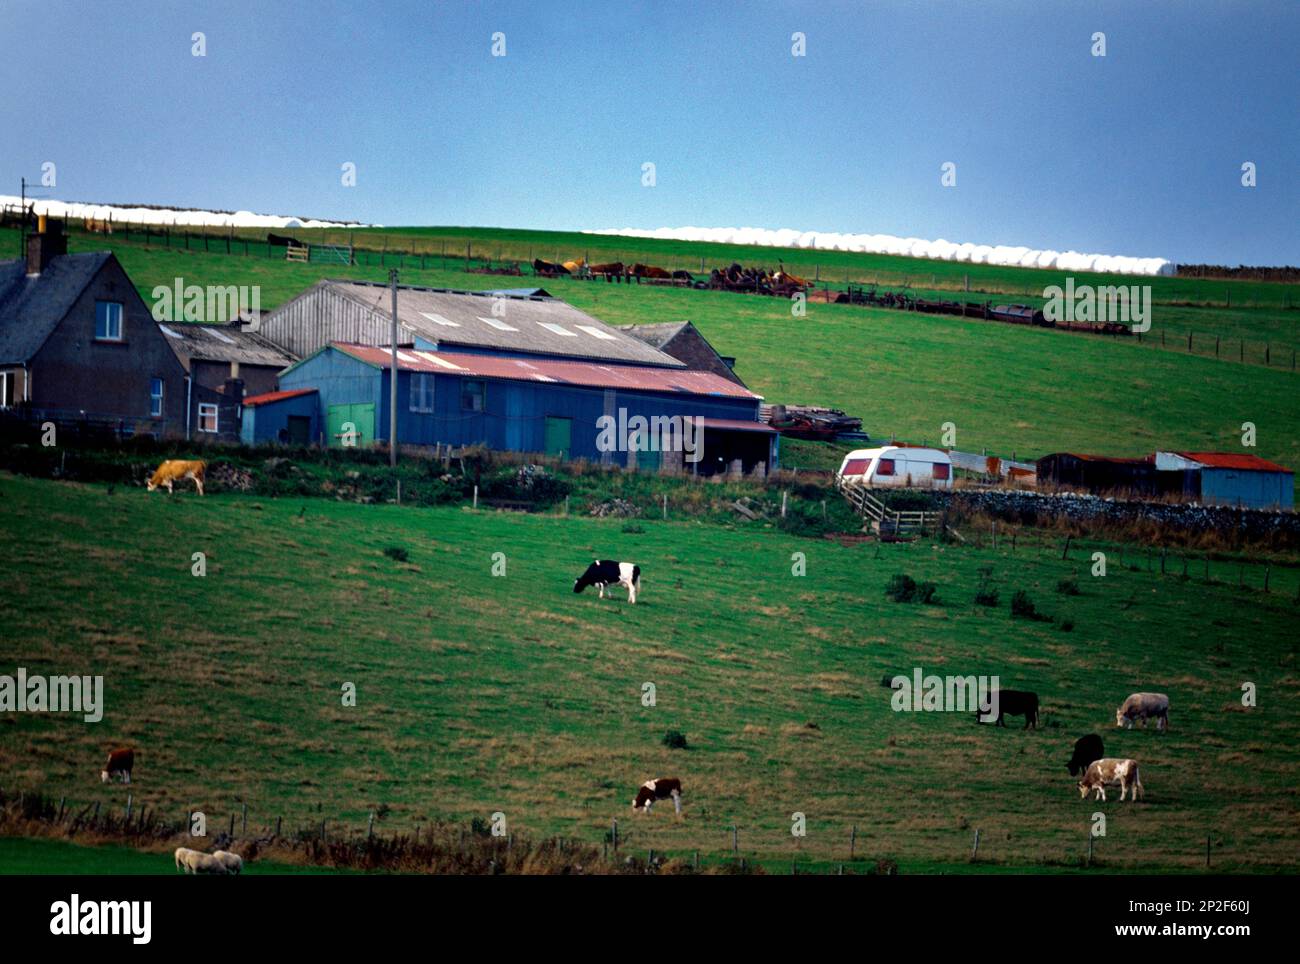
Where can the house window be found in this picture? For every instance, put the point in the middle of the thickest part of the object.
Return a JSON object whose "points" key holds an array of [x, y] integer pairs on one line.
{"points": [[108, 321], [885, 467], [472, 396], [941, 470], [421, 392], [156, 397], [8, 389], [207, 417]]}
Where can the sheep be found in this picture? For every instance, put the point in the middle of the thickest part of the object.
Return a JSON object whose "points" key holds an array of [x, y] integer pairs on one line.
{"points": [[233, 863], [197, 862]]}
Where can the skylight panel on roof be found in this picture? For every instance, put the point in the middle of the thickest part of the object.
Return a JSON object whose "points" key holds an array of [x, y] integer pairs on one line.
{"points": [[598, 333], [557, 329], [438, 319], [217, 335], [431, 357], [409, 359], [497, 323], [169, 333], [543, 378]]}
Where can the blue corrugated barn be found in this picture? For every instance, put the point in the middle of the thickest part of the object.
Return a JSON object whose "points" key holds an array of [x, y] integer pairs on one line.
{"points": [[559, 407], [514, 371]]}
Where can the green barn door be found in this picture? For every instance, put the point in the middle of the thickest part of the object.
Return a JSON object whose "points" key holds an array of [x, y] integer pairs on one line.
{"points": [[362, 417], [559, 435]]}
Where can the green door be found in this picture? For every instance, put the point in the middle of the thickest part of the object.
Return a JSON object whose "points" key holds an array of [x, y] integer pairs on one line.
{"points": [[559, 435], [299, 429], [351, 425]]}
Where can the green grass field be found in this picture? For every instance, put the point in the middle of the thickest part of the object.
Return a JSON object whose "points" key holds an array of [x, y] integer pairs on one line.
{"points": [[1008, 390], [478, 693], [25, 855]]}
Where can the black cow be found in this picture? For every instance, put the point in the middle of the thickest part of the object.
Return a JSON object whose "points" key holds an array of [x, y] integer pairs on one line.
{"points": [[1014, 703], [1087, 749], [283, 240], [605, 573]]}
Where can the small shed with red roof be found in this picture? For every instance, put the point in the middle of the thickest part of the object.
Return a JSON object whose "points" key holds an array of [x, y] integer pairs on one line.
{"points": [[1234, 478]]}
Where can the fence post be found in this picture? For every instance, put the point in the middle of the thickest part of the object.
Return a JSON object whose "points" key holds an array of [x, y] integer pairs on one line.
{"points": [[128, 808], [476, 497], [243, 827], [665, 506], [853, 840], [614, 833], [735, 839], [784, 497], [1065, 553], [974, 851], [370, 826]]}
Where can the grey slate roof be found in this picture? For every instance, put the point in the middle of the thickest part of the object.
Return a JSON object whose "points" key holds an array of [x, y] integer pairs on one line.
{"points": [[656, 334], [456, 319], [31, 308], [222, 343]]}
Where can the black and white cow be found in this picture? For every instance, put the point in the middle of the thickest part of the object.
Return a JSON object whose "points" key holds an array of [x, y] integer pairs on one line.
{"points": [[661, 789], [605, 573]]}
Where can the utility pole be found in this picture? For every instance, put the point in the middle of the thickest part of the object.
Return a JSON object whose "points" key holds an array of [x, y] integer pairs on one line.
{"points": [[22, 229], [392, 380]]}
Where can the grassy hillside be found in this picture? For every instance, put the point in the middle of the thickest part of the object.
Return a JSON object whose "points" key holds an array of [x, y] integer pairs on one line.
{"points": [[478, 693], [1007, 389]]}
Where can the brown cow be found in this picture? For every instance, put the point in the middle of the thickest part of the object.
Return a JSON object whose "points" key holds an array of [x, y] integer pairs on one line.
{"points": [[639, 271], [660, 789], [612, 270], [177, 470], [120, 763], [1111, 771]]}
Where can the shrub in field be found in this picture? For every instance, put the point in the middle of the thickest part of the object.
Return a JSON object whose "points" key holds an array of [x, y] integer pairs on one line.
{"points": [[1022, 607], [675, 740], [1066, 624], [986, 595], [397, 554], [903, 588], [1068, 587]]}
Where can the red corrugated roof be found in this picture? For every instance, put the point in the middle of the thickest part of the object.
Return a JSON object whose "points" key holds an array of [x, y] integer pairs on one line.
{"points": [[1234, 460], [550, 371], [276, 396], [1105, 458]]}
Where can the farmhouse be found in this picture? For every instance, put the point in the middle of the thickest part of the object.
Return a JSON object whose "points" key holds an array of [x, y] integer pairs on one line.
{"points": [[559, 406], [225, 363], [1230, 478], [78, 345]]}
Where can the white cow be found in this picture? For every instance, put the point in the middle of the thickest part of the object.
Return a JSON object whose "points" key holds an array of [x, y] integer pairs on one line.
{"points": [[197, 862], [233, 863], [1141, 706]]}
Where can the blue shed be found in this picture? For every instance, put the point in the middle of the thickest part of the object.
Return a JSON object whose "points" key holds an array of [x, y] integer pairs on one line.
{"points": [[1234, 478], [640, 416], [290, 417]]}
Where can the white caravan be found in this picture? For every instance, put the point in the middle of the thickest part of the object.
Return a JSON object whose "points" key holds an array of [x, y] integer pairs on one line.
{"points": [[899, 466]]}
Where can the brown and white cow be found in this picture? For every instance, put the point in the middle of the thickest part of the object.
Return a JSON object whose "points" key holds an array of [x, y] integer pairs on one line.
{"points": [[1140, 706], [177, 470], [660, 789], [120, 763], [1110, 771]]}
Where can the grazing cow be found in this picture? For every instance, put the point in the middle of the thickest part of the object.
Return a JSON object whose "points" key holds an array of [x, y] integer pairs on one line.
{"points": [[575, 267], [612, 270], [1086, 750], [120, 763], [197, 862], [1140, 706], [1111, 772], [1014, 703], [604, 573], [548, 268], [282, 240], [640, 271], [660, 789], [176, 470], [233, 863]]}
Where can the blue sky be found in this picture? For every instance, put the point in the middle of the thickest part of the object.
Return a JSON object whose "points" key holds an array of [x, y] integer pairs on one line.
{"points": [[1137, 153]]}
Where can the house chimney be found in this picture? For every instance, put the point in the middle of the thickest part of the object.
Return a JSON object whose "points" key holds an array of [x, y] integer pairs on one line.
{"points": [[46, 244]]}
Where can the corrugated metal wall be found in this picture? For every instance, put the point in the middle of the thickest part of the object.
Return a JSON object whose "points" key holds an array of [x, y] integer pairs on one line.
{"points": [[321, 315]]}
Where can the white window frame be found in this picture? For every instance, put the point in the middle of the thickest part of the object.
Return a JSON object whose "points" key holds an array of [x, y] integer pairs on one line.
{"points": [[120, 312], [157, 402], [210, 409], [425, 394], [8, 386]]}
